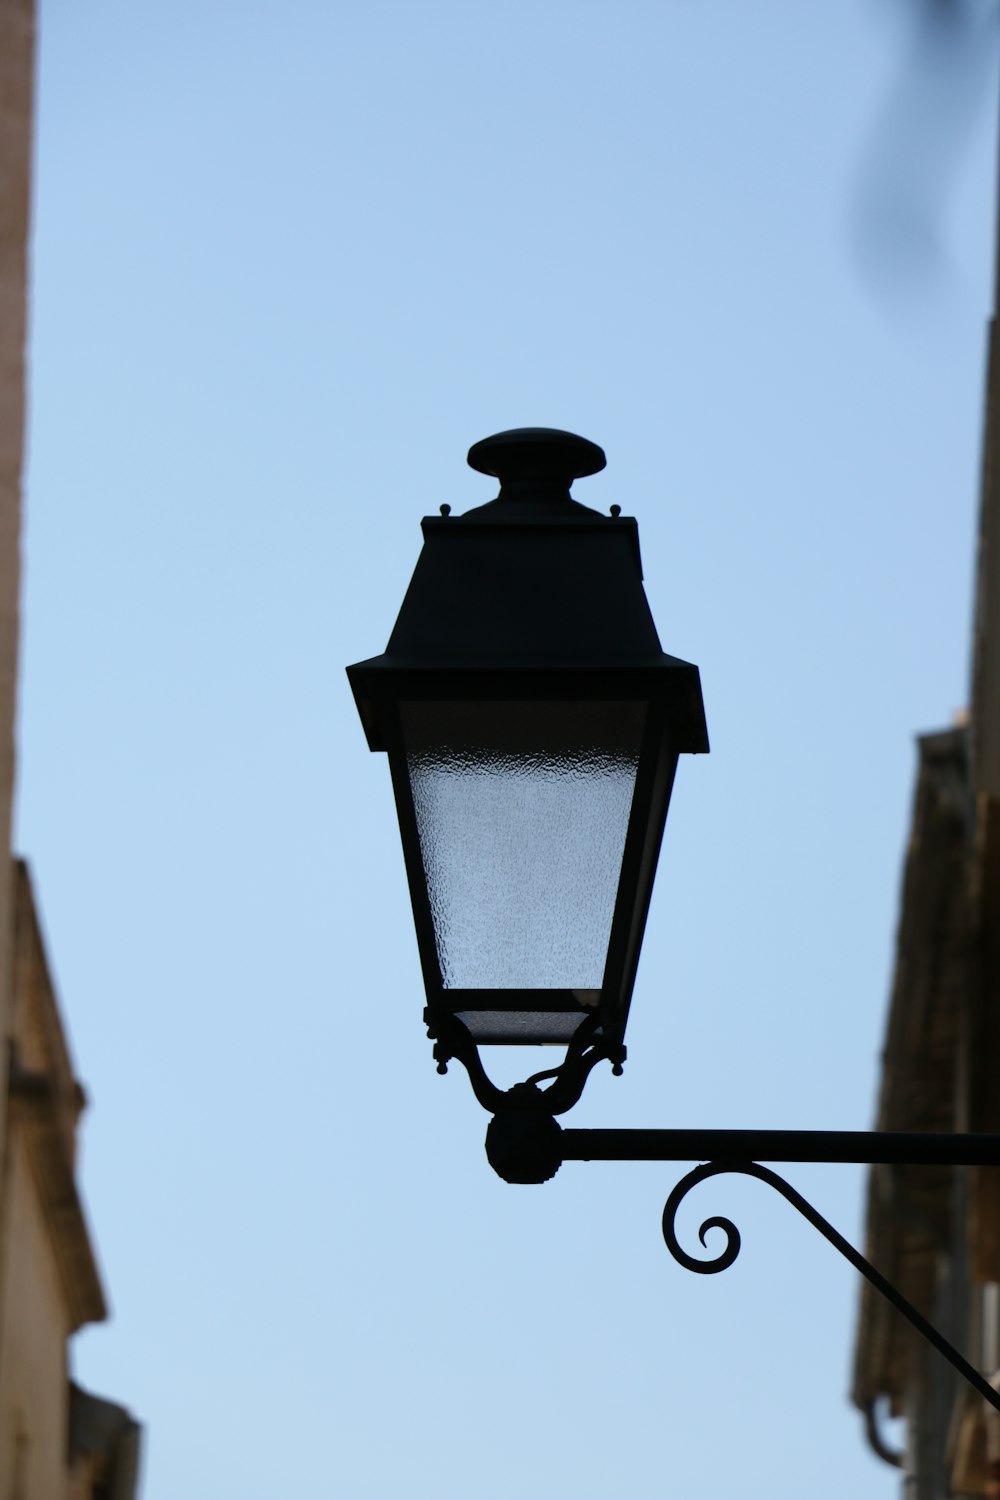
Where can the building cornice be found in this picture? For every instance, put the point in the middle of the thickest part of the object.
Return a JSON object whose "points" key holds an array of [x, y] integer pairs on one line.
{"points": [[34, 1111]]}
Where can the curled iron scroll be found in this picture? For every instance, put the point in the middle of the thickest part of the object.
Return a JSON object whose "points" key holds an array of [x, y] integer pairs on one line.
{"points": [[452, 1039], [726, 1256]]}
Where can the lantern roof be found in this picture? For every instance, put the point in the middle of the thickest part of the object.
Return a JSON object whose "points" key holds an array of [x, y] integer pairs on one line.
{"points": [[530, 595]]}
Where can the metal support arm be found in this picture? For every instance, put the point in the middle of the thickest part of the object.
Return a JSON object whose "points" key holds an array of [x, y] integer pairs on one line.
{"points": [[864, 1147], [529, 1146]]}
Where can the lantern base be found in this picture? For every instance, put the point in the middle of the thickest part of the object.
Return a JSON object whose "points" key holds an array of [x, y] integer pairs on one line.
{"points": [[452, 1039]]}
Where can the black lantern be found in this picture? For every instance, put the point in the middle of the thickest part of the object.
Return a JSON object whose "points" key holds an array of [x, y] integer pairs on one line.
{"points": [[533, 726]]}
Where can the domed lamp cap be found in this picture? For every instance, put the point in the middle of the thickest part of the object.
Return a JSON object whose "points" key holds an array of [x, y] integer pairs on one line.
{"points": [[526, 453]]}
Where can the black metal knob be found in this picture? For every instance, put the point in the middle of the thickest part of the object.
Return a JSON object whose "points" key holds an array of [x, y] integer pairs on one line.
{"points": [[536, 453]]}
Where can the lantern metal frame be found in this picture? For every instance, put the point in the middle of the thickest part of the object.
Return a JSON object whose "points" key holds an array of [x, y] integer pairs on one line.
{"points": [[535, 599], [654, 782], [555, 650]]}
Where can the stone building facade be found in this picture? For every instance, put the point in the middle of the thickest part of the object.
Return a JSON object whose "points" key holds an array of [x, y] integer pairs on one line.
{"points": [[57, 1441], [935, 1232]]}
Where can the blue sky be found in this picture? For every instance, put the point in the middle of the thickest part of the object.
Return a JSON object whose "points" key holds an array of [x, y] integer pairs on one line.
{"points": [[289, 262]]}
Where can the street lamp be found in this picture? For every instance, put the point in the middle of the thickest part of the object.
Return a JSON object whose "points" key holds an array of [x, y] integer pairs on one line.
{"points": [[533, 726]]}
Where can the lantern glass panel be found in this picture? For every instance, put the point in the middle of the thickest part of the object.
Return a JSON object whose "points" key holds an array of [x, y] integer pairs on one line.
{"points": [[522, 810]]}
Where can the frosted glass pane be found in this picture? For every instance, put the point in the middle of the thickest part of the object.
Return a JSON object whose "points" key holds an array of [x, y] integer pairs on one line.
{"points": [[526, 1026], [522, 811]]}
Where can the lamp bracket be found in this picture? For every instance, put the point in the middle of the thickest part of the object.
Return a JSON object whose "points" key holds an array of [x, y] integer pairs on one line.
{"points": [[726, 1256], [532, 1149]]}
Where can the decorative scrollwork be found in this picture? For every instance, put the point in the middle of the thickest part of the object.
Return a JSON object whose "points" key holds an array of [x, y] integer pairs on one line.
{"points": [[725, 1258], [732, 1249], [452, 1039]]}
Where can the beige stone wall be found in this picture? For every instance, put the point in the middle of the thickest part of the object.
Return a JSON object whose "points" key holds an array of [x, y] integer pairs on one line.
{"points": [[34, 1401], [25, 1470], [49, 1282], [17, 23]]}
